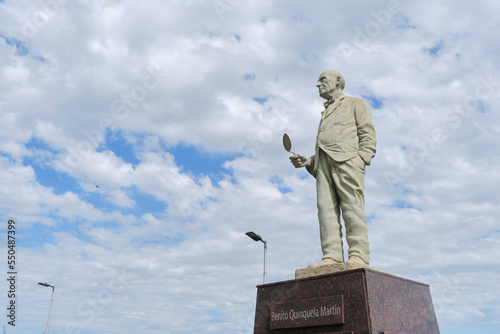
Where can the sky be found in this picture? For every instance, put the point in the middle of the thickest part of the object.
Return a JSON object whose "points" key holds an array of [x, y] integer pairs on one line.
{"points": [[140, 140]]}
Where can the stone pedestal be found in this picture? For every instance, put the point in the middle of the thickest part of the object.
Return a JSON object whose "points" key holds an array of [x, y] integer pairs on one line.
{"points": [[360, 301]]}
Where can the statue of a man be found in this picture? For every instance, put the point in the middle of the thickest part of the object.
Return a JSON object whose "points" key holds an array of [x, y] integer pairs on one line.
{"points": [[344, 146]]}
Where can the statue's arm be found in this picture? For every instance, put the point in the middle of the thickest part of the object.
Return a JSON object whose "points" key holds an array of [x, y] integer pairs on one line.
{"points": [[310, 166], [299, 161], [366, 132]]}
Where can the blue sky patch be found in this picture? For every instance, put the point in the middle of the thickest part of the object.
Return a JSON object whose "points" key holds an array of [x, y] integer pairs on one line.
{"points": [[209, 315], [51, 178], [162, 240], [277, 181], [216, 314], [36, 235], [121, 147], [46, 175], [197, 162], [36, 143], [285, 190], [298, 17], [146, 203], [39, 234], [491, 329], [373, 101], [39, 58], [21, 47], [303, 174], [249, 76], [402, 22], [309, 57], [481, 107], [261, 100], [400, 204], [190, 159], [408, 191], [97, 199], [493, 234], [433, 51]]}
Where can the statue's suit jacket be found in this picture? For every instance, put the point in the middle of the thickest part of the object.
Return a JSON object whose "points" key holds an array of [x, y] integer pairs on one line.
{"points": [[345, 130]]}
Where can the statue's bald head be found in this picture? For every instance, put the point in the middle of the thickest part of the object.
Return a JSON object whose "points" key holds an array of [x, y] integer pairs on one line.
{"points": [[334, 75], [330, 84]]}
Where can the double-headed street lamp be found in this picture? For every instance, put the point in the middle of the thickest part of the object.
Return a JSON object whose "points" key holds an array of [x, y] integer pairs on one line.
{"points": [[257, 237], [50, 308]]}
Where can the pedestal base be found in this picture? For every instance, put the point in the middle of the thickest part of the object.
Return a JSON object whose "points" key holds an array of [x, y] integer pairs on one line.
{"points": [[327, 269], [361, 301]]}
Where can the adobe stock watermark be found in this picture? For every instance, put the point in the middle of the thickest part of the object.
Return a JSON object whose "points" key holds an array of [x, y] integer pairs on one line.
{"points": [[120, 109], [205, 195], [88, 309], [266, 135], [486, 89], [223, 6], [372, 29], [245, 324], [314, 257], [46, 11], [452, 289]]}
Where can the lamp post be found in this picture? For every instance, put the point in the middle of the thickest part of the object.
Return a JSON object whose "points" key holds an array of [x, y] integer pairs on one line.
{"points": [[50, 308], [257, 237]]}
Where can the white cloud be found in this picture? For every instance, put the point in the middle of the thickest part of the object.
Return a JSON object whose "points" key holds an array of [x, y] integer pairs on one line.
{"points": [[156, 75]]}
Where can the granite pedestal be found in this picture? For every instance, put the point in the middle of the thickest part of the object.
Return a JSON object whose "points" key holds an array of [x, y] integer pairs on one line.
{"points": [[360, 301]]}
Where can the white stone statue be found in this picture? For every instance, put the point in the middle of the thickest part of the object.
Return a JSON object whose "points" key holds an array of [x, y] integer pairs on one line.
{"points": [[344, 146]]}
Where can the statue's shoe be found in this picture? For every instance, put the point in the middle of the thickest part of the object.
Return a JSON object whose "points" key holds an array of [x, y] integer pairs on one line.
{"points": [[357, 262], [324, 262]]}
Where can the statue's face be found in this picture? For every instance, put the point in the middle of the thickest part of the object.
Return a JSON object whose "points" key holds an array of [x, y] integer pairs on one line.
{"points": [[327, 84]]}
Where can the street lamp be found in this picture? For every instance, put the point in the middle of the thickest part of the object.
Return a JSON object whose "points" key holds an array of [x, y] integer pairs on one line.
{"points": [[50, 308], [257, 237]]}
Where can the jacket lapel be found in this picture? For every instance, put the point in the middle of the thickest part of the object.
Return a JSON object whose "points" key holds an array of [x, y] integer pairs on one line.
{"points": [[335, 105]]}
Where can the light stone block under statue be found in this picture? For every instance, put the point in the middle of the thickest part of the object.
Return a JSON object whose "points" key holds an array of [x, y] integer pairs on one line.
{"points": [[345, 144]]}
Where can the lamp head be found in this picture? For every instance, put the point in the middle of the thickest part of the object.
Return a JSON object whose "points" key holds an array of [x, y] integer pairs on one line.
{"points": [[46, 284], [254, 236]]}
